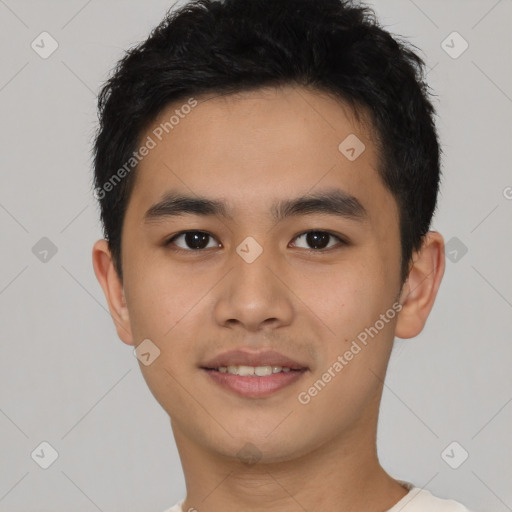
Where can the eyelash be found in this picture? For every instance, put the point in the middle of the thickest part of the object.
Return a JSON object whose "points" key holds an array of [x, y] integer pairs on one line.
{"points": [[342, 241]]}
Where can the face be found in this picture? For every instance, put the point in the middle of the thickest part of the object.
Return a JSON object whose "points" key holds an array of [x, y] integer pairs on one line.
{"points": [[263, 269]]}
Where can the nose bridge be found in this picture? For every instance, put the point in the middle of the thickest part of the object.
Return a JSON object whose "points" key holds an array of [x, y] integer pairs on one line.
{"points": [[252, 293], [251, 273]]}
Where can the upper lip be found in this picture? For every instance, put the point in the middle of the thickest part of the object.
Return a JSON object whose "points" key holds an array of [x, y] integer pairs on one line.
{"points": [[251, 358]]}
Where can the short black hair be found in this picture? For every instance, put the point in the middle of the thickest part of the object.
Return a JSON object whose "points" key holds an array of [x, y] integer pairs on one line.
{"points": [[332, 46]]}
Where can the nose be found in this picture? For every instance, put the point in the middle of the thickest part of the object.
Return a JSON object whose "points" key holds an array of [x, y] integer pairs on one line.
{"points": [[254, 295]]}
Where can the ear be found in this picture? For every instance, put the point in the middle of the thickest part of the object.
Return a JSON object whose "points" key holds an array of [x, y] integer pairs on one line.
{"points": [[113, 289], [420, 289]]}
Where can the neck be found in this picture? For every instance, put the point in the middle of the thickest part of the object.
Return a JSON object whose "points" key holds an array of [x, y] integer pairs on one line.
{"points": [[341, 474]]}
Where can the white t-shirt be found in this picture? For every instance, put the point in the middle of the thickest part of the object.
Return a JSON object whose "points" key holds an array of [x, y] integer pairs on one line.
{"points": [[416, 500]]}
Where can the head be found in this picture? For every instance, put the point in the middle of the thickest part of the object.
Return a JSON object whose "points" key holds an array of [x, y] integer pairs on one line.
{"points": [[217, 124]]}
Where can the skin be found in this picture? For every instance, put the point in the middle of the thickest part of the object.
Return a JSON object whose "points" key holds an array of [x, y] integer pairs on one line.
{"points": [[251, 149]]}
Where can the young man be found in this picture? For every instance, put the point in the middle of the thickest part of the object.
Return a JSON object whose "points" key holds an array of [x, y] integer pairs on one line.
{"points": [[267, 171]]}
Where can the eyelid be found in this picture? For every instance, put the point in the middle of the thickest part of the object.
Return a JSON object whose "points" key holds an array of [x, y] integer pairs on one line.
{"points": [[170, 239], [341, 239]]}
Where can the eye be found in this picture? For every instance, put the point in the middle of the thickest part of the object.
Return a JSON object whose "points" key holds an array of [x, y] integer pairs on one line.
{"points": [[193, 240], [198, 240], [319, 239]]}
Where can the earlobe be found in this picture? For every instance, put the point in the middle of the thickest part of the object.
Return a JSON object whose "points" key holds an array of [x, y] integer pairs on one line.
{"points": [[420, 290], [113, 289]]}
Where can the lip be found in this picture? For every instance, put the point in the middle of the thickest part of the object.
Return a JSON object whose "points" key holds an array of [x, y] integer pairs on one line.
{"points": [[251, 358], [254, 387]]}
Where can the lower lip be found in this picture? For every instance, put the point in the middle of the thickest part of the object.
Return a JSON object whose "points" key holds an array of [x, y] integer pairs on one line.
{"points": [[254, 387]]}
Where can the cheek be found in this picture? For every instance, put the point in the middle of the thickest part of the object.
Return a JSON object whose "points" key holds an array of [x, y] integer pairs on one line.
{"points": [[350, 302], [355, 350], [161, 298], [167, 307], [347, 298]]}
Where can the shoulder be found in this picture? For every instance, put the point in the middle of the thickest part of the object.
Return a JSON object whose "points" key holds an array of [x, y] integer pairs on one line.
{"points": [[175, 508], [421, 500], [416, 500]]}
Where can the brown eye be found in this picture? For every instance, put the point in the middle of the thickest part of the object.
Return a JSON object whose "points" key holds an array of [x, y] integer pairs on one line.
{"points": [[318, 240], [192, 240]]}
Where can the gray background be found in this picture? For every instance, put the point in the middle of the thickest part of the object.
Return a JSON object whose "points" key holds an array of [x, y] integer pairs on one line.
{"points": [[68, 380]]}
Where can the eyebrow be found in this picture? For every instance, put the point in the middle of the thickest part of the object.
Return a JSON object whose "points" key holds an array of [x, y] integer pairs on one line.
{"points": [[334, 202]]}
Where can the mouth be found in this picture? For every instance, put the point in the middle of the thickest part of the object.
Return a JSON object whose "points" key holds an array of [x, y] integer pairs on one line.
{"points": [[254, 371], [253, 375]]}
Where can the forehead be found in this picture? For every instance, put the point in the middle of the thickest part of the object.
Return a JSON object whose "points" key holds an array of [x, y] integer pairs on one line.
{"points": [[253, 147]]}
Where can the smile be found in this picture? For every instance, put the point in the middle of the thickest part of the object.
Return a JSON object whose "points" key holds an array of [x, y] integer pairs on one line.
{"points": [[254, 381]]}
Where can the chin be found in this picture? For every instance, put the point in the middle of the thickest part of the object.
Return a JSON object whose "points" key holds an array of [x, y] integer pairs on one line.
{"points": [[262, 448]]}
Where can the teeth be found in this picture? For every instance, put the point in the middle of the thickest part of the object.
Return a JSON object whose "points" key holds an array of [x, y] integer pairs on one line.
{"points": [[251, 371], [262, 371], [244, 371]]}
